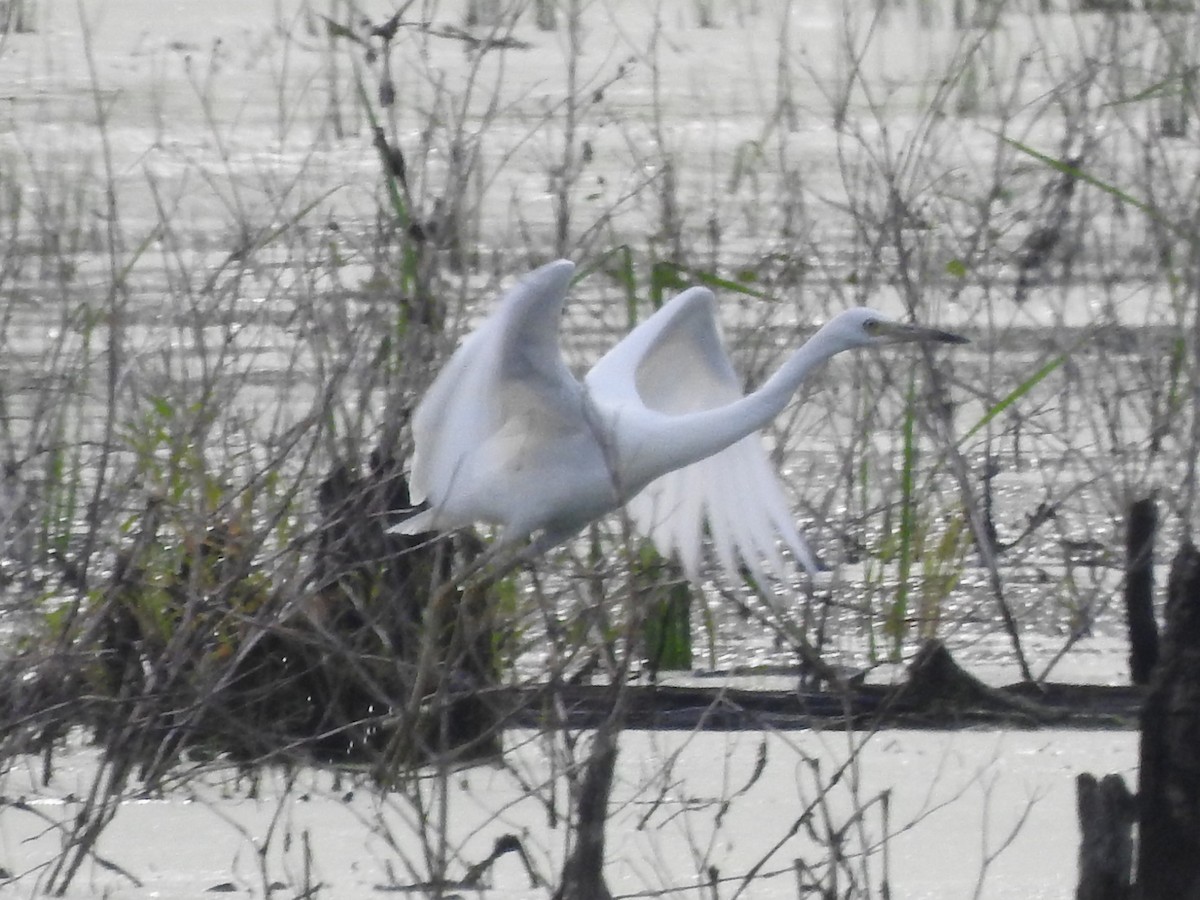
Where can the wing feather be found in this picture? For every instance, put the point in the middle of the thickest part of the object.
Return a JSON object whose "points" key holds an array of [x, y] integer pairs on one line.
{"points": [[740, 499], [472, 397], [675, 362]]}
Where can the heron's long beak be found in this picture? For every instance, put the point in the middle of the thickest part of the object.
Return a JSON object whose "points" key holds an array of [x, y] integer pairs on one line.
{"points": [[904, 332]]}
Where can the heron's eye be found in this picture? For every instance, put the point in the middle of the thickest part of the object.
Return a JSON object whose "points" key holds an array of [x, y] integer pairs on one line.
{"points": [[871, 327]]}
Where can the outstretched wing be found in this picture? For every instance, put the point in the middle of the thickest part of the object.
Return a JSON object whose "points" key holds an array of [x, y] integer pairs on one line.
{"points": [[510, 367], [675, 363]]}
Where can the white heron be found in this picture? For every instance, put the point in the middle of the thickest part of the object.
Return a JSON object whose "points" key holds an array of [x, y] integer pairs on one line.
{"points": [[506, 435]]}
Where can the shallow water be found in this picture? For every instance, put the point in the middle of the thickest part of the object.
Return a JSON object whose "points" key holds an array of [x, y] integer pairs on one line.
{"points": [[220, 125], [684, 808], [215, 143]]}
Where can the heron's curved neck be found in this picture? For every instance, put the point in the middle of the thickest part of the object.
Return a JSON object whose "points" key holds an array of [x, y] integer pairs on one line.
{"points": [[691, 437]]}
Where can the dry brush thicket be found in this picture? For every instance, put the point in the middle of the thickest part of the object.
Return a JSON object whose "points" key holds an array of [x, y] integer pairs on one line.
{"points": [[230, 269]]}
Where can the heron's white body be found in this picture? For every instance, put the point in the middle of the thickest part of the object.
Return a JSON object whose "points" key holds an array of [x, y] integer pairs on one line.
{"points": [[506, 434]]}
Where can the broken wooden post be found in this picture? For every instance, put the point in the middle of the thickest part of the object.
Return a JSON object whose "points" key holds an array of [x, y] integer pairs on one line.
{"points": [[1106, 813], [583, 872], [1139, 589], [1169, 781]]}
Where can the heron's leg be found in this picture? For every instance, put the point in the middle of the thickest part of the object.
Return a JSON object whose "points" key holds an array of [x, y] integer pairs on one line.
{"points": [[547, 540]]}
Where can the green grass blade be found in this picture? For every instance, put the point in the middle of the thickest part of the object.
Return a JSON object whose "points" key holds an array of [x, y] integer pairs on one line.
{"points": [[397, 197], [1172, 85], [1075, 172], [617, 264], [680, 276], [895, 625], [1016, 394]]}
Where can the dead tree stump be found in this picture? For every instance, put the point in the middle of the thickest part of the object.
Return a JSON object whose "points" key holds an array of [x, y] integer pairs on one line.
{"points": [[1106, 814], [938, 685], [1139, 589], [1169, 782], [583, 872]]}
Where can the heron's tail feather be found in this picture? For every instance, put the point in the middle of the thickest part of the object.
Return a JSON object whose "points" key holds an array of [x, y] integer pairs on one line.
{"points": [[419, 523]]}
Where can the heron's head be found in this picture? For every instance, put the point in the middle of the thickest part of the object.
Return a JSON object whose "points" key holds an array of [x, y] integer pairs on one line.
{"points": [[862, 327]]}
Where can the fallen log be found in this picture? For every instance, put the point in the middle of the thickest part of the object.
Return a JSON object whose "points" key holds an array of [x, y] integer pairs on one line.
{"points": [[936, 694]]}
